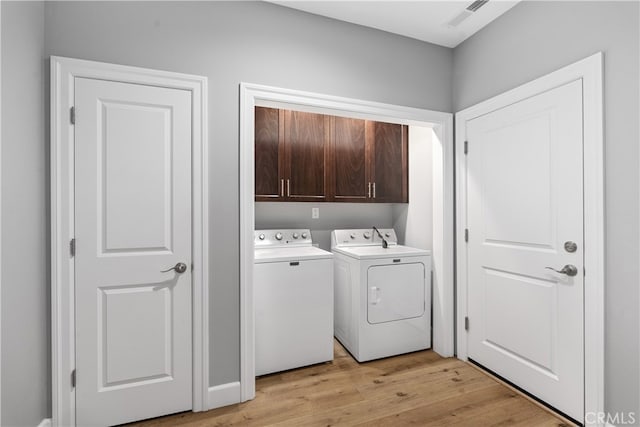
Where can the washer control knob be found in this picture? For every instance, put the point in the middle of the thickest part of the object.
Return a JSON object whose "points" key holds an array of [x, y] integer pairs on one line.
{"points": [[278, 236], [296, 235], [352, 235], [387, 234], [261, 237], [305, 235], [367, 235]]}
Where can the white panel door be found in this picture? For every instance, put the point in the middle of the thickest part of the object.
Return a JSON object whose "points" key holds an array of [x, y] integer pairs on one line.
{"points": [[524, 201], [133, 219]]}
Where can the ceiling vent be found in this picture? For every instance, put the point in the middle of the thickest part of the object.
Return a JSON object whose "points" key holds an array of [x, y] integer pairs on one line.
{"points": [[477, 5], [473, 7]]}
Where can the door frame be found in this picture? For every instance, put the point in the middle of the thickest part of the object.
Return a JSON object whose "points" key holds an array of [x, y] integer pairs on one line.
{"points": [[252, 95], [63, 73], [589, 70]]}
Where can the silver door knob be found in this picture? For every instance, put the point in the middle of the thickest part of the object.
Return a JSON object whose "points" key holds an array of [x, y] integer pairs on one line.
{"points": [[569, 270], [179, 268]]}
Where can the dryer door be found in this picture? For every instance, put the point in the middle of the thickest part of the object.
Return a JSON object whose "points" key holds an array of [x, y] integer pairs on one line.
{"points": [[395, 292]]}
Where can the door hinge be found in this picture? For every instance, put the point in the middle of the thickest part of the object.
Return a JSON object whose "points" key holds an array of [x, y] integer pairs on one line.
{"points": [[466, 234], [73, 379], [72, 247], [466, 147], [466, 323], [72, 115]]}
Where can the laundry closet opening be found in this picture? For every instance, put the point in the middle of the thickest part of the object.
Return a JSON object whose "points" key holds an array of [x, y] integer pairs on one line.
{"points": [[414, 208]]}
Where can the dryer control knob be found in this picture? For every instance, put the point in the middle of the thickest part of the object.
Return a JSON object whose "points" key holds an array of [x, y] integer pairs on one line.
{"points": [[387, 234], [367, 235], [278, 236], [296, 235], [352, 235], [304, 235], [261, 237]]}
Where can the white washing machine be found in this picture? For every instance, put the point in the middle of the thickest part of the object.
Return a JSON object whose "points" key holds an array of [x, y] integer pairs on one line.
{"points": [[382, 296], [293, 300]]}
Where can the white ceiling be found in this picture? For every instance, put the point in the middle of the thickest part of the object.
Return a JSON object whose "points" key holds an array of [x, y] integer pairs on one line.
{"points": [[423, 20]]}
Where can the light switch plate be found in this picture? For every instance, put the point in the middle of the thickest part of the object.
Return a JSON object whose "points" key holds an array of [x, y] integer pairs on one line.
{"points": [[315, 213]]}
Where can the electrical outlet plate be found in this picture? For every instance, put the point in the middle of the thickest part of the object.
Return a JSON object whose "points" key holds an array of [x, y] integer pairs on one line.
{"points": [[315, 213]]}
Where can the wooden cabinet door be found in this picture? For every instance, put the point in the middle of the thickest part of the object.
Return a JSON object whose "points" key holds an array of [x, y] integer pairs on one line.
{"points": [[269, 154], [390, 162], [307, 156], [351, 161]]}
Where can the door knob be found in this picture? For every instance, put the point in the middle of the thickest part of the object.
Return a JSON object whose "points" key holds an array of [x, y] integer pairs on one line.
{"points": [[180, 268], [569, 270]]}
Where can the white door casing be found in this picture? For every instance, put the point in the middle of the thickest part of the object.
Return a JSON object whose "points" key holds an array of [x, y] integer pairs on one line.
{"points": [[133, 220], [154, 294], [252, 95], [524, 200], [530, 182]]}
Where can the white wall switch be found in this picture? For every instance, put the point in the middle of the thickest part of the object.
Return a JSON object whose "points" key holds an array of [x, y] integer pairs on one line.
{"points": [[315, 213]]}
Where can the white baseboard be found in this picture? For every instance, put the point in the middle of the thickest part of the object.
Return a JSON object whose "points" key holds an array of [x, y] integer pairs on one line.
{"points": [[224, 394], [45, 423]]}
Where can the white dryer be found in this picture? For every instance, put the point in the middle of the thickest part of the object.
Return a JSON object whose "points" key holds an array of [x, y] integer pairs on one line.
{"points": [[293, 297], [382, 295]]}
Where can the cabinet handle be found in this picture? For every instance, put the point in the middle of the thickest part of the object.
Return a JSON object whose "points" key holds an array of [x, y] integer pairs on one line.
{"points": [[369, 185], [288, 188], [374, 190], [282, 187]]}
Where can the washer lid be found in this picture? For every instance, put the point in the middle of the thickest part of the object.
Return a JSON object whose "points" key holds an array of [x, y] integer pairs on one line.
{"points": [[378, 252], [306, 253]]}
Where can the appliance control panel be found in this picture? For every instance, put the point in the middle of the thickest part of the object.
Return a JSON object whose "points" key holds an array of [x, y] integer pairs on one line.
{"points": [[363, 237], [282, 238]]}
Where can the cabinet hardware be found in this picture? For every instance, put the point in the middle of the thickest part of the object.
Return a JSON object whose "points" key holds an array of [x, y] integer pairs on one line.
{"points": [[369, 185], [282, 187], [374, 190], [288, 188]]}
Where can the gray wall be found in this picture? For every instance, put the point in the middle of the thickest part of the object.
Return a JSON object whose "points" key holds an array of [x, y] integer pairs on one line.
{"points": [[25, 298], [232, 42], [333, 216], [533, 39]]}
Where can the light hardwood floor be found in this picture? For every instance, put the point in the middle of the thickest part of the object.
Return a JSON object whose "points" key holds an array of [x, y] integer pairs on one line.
{"points": [[419, 389]]}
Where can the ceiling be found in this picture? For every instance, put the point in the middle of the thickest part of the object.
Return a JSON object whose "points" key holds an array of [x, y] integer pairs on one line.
{"points": [[424, 20]]}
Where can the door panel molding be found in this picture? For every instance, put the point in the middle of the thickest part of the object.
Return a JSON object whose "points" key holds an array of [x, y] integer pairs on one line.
{"points": [[252, 95], [63, 73], [589, 71]]}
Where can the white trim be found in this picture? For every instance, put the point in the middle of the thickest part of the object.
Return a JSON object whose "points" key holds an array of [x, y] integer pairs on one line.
{"points": [[590, 71], [224, 395], [0, 212], [442, 124], [46, 422], [63, 73]]}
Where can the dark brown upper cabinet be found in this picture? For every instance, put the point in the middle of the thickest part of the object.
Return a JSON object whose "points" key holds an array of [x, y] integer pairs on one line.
{"points": [[306, 142], [351, 160], [390, 159], [269, 154], [313, 157]]}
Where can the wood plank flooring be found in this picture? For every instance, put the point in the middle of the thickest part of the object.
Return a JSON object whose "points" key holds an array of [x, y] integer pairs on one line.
{"points": [[419, 389]]}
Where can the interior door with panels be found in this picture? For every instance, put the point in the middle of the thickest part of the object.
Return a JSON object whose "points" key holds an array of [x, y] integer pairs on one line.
{"points": [[133, 223], [525, 245]]}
